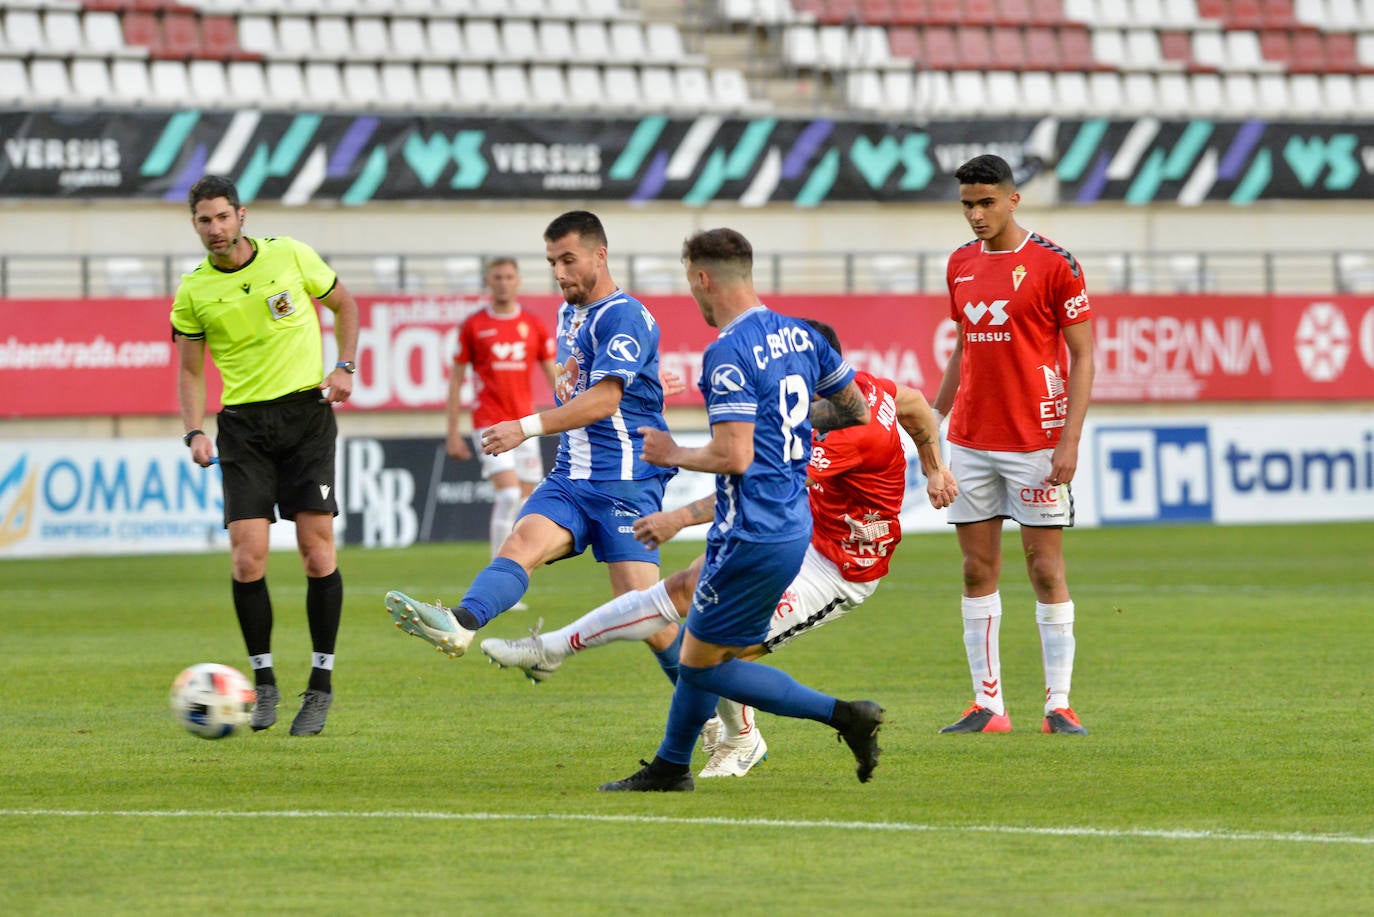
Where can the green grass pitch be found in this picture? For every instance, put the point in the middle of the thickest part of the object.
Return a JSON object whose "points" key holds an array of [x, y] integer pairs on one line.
{"points": [[1224, 673]]}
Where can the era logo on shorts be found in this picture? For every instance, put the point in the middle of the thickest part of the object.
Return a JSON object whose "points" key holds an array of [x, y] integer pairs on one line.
{"points": [[728, 379], [998, 311], [1154, 474], [624, 348]]}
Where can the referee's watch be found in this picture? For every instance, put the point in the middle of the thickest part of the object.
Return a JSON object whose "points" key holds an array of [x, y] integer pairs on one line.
{"points": [[347, 366], [192, 435]]}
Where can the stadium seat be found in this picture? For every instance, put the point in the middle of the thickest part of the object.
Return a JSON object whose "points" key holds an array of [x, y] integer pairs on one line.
{"points": [[324, 84], [1180, 13], [444, 39], [370, 40], [1037, 92], [1075, 50], [658, 87], [1138, 95], [932, 94], [23, 31], [129, 80], [181, 38], [622, 87], [1042, 48], [50, 81], [257, 34], [898, 91], [1305, 92], [1008, 49], [409, 39], [731, 90], [1105, 93], [972, 48], [939, 50], [90, 81], [247, 82], [1071, 92], [170, 85], [509, 88], [555, 38], [694, 89], [61, 32], [591, 41], [398, 86], [585, 86], [548, 88], [663, 41], [909, 12], [1209, 49], [863, 91], [435, 85], [627, 43], [1113, 13], [1083, 11], [833, 48], [1271, 94], [1240, 94], [800, 48], [1174, 93], [207, 81], [473, 86], [285, 85], [519, 42], [904, 42]]}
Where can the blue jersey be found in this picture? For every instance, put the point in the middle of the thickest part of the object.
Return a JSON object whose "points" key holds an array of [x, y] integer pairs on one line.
{"points": [[614, 336], [763, 369]]}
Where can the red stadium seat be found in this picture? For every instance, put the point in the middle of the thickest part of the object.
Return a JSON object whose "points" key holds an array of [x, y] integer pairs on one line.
{"points": [[910, 12], [943, 12], [973, 47], [876, 12], [1013, 13], [1042, 49], [219, 39], [180, 36], [1278, 14], [141, 30], [1076, 51], [1008, 50], [1276, 46], [1340, 56], [1046, 12], [1244, 14], [905, 42], [841, 12], [940, 52], [1212, 9], [1176, 45], [979, 12], [1308, 54]]}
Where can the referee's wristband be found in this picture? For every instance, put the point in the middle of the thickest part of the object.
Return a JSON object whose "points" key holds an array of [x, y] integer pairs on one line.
{"points": [[192, 435], [532, 425]]}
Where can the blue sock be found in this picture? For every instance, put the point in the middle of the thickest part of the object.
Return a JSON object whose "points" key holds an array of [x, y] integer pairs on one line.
{"points": [[667, 657], [499, 586], [690, 709], [761, 686]]}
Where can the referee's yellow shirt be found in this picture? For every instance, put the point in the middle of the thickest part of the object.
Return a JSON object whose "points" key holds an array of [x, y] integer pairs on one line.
{"points": [[259, 321]]}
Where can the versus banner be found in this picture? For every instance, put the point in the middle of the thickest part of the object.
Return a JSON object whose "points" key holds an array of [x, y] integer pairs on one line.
{"points": [[353, 159]]}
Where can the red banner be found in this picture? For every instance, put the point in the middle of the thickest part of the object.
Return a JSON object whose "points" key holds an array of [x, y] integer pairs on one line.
{"points": [[73, 358]]}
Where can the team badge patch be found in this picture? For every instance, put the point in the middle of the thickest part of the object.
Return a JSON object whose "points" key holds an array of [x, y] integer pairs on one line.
{"points": [[280, 304], [1018, 274]]}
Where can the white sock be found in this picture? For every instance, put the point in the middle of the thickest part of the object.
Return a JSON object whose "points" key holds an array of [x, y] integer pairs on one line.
{"points": [[260, 661], [738, 719], [505, 505], [633, 616], [1056, 646], [982, 623], [322, 661]]}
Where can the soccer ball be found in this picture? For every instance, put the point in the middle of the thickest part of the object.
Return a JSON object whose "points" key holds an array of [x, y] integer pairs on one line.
{"points": [[212, 700]]}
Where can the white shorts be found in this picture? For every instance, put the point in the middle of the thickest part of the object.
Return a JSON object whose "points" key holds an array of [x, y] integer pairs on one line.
{"points": [[525, 459], [1007, 485], [818, 595]]}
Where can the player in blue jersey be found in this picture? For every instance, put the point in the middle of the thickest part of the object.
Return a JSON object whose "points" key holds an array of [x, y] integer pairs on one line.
{"points": [[759, 379], [608, 394]]}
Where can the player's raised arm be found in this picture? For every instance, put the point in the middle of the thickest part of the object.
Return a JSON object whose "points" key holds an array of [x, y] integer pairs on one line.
{"points": [[845, 408]]}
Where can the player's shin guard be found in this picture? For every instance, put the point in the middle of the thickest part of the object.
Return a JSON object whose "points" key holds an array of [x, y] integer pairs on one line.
{"points": [[634, 615], [982, 625], [691, 708], [761, 686], [1057, 648], [505, 506], [499, 586]]}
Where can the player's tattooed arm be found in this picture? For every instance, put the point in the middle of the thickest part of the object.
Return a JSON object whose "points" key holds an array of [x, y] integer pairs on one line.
{"points": [[846, 408]]}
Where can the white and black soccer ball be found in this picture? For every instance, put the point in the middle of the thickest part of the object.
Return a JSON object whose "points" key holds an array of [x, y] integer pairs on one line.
{"points": [[212, 700]]}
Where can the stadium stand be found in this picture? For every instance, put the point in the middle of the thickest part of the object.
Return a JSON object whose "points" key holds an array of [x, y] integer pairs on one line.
{"points": [[886, 58]]}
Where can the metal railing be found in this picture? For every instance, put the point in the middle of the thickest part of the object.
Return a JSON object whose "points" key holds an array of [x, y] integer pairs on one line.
{"points": [[1288, 272]]}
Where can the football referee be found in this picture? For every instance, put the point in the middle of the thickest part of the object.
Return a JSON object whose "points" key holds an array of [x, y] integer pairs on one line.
{"points": [[250, 300]]}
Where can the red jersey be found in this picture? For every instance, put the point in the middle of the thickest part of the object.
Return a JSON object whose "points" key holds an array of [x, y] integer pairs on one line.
{"points": [[858, 480], [1013, 379], [502, 349]]}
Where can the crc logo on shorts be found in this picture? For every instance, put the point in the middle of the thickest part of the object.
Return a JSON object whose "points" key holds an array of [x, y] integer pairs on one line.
{"points": [[280, 304], [1151, 474], [727, 380], [624, 348]]}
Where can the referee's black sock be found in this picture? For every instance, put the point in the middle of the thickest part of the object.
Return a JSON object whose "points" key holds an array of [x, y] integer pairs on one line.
{"points": [[323, 609], [253, 605]]}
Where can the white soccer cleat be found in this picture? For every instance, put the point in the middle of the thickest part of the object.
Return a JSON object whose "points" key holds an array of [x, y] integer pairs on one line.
{"points": [[527, 654], [710, 735], [734, 756], [432, 623]]}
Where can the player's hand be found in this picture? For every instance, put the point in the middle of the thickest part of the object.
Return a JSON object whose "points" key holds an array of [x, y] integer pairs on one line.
{"points": [[656, 528], [458, 447], [1063, 464], [659, 447], [338, 387], [503, 437], [672, 383], [941, 488]]}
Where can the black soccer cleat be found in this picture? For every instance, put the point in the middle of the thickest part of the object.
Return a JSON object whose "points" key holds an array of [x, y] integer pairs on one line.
{"points": [[980, 719], [862, 736], [1064, 721], [645, 780]]}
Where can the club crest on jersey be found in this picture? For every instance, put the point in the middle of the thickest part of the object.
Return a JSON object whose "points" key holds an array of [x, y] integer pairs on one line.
{"points": [[280, 304], [1018, 274], [727, 379]]}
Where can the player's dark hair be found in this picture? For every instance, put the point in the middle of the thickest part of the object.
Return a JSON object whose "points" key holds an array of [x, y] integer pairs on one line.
{"points": [[826, 332], [720, 248], [210, 187], [583, 223], [987, 169], [499, 261]]}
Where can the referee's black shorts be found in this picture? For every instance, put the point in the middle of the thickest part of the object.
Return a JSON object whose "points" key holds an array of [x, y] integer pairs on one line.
{"points": [[278, 453]]}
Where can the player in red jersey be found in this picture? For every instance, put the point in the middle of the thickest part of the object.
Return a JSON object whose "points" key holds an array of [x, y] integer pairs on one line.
{"points": [[856, 482], [500, 344], [1017, 417]]}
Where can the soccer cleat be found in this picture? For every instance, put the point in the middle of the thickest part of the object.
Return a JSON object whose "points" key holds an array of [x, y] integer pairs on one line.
{"points": [[309, 719], [434, 623], [862, 736], [1063, 720], [710, 735], [980, 719], [733, 757], [645, 780], [265, 708], [527, 654]]}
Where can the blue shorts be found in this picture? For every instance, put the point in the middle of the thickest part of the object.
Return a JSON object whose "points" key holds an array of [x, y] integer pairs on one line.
{"points": [[599, 514], [739, 589]]}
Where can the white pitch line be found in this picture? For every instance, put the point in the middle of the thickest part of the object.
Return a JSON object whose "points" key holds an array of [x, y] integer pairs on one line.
{"points": [[1164, 834]]}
